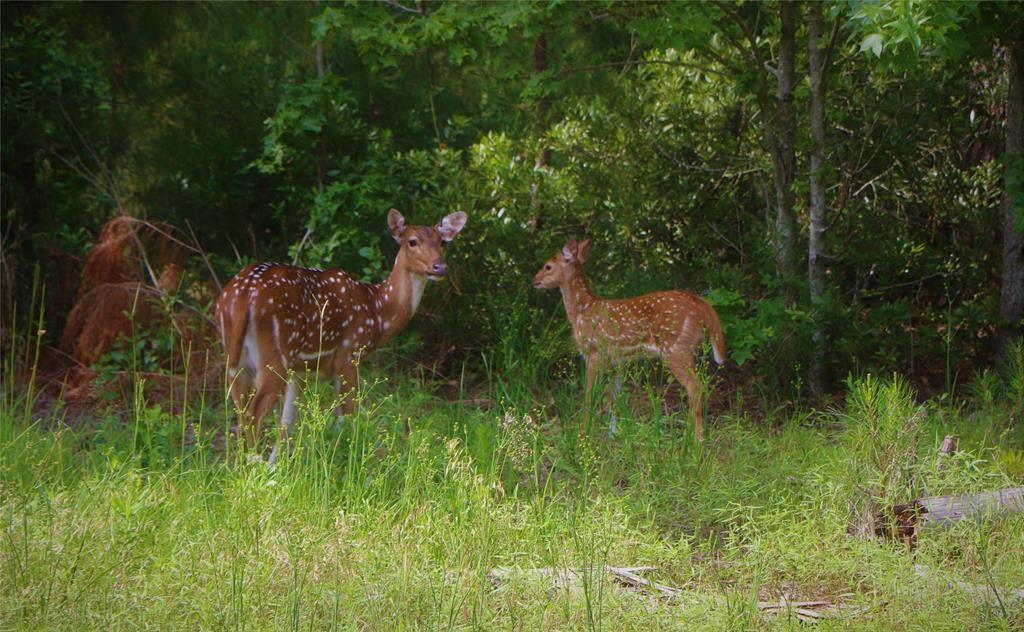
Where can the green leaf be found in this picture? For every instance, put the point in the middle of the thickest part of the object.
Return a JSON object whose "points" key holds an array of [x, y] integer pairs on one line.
{"points": [[873, 43]]}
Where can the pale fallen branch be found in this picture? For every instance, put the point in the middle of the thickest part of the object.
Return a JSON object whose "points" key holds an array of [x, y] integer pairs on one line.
{"points": [[569, 577], [811, 611], [629, 577]]}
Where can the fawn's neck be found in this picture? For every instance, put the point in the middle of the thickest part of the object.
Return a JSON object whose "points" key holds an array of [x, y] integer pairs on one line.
{"points": [[397, 297], [576, 294]]}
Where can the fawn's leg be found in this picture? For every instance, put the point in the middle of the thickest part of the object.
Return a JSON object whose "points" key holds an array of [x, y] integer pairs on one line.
{"points": [[592, 367], [616, 390], [345, 386], [268, 390], [288, 413], [682, 368]]}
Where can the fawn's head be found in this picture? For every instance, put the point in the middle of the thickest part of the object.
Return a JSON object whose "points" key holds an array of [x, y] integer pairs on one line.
{"points": [[421, 245], [558, 268]]}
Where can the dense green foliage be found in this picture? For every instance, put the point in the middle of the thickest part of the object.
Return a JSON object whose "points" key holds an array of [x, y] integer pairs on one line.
{"points": [[646, 126]]}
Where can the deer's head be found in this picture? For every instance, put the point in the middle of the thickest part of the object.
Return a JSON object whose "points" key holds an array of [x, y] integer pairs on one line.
{"points": [[558, 268], [421, 245]]}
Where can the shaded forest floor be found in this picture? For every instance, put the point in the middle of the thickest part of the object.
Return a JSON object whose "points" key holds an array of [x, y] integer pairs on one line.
{"points": [[419, 512]]}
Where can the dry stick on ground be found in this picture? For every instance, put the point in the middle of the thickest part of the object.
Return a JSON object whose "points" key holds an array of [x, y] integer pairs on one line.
{"points": [[811, 611], [570, 578], [630, 577], [565, 577]]}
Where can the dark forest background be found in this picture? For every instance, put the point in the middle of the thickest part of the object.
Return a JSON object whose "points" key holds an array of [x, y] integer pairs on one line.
{"points": [[841, 180]]}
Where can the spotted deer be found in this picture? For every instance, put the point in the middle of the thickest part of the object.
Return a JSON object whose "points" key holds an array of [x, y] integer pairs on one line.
{"points": [[280, 322], [670, 325]]}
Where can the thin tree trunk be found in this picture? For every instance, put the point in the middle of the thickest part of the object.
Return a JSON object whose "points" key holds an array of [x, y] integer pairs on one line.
{"points": [[321, 148], [1011, 299], [815, 250], [540, 65], [784, 156]]}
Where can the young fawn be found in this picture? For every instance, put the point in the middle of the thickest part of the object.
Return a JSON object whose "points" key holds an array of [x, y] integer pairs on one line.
{"points": [[669, 325], [278, 322]]}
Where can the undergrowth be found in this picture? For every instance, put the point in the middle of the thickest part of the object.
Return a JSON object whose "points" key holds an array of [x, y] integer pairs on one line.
{"points": [[150, 517]]}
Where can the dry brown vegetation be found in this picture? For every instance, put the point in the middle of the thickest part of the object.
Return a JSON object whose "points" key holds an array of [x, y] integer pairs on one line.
{"points": [[133, 286]]}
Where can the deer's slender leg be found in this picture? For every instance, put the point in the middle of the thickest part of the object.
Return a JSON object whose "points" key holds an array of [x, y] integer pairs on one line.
{"points": [[616, 390], [682, 368], [268, 389], [593, 365], [289, 411], [345, 386]]}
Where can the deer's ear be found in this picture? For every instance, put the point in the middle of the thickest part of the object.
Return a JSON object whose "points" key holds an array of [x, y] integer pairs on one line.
{"points": [[397, 224], [584, 250], [451, 225], [570, 250]]}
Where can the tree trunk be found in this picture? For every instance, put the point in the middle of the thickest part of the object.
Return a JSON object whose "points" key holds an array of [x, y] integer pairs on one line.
{"points": [[784, 156], [816, 237], [321, 146], [1011, 299]]}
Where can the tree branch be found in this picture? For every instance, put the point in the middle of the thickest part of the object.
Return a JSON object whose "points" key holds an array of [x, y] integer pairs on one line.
{"points": [[735, 17], [401, 7], [832, 38]]}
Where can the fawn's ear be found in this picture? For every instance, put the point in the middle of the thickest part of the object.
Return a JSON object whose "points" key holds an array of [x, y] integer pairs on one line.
{"points": [[397, 224], [451, 225], [583, 251], [570, 251]]}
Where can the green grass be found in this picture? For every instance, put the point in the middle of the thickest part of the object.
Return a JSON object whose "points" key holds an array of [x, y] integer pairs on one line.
{"points": [[393, 518]]}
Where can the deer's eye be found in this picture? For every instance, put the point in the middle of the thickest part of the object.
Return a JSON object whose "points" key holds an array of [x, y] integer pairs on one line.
{"points": [[412, 243], [547, 267]]}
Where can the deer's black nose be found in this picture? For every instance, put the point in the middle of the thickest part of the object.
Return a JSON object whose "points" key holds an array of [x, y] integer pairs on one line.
{"points": [[440, 268]]}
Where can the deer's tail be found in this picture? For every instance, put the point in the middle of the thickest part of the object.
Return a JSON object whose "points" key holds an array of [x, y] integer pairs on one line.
{"points": [[232, 321], [714, 329]]}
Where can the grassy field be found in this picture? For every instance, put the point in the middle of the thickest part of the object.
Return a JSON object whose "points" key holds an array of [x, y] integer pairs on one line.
{"points": [[395, 518]]}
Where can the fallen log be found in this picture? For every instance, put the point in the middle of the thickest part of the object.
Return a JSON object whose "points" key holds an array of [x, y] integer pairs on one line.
{"points": [[944, 510], [905, 521]]}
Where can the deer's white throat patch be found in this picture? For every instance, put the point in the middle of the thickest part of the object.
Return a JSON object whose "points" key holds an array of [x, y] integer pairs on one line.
{"points": [[419, 282]]}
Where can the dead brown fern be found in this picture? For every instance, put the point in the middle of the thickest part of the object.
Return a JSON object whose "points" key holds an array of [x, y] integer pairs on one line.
{"points": [[104, 314], [113, 259], [132, 287]]}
